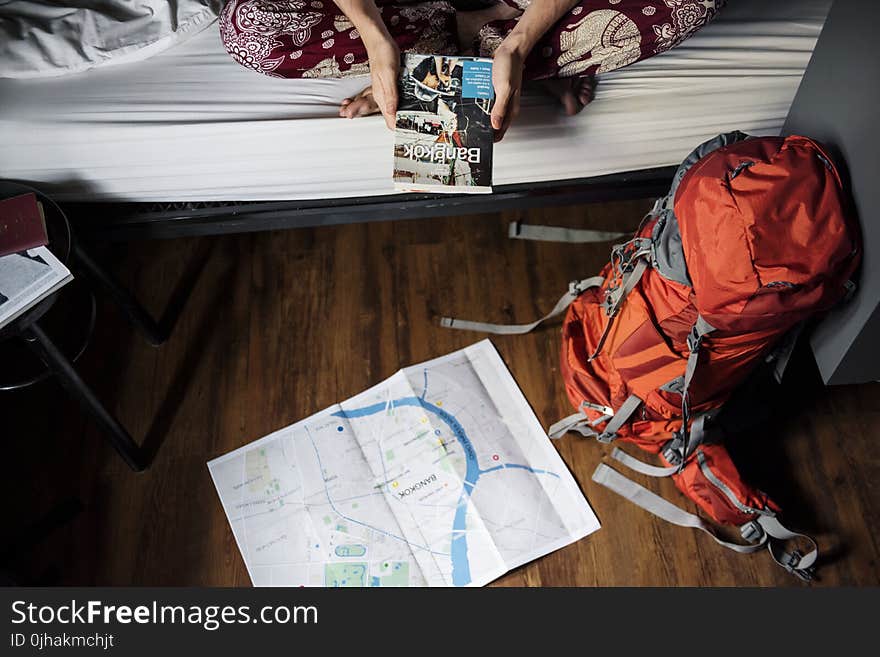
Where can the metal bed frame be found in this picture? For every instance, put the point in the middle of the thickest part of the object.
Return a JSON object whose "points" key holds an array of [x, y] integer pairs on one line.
{"points": [[113, 221]]}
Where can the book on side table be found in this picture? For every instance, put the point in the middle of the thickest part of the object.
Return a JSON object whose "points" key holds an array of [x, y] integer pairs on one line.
{"points": [[27, 278]]}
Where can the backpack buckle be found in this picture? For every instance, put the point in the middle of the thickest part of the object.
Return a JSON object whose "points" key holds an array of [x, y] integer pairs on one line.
{"points": [[791, 560], [672, 451], [694, 340], [627, 253], [752, 532], [608, 303], [604, 410]]}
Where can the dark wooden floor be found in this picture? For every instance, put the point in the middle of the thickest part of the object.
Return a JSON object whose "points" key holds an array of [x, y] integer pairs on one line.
{"points": [[280, 325]]}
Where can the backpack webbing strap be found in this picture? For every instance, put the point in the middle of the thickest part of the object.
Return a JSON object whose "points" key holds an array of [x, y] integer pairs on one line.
{"points": [[575, 422], [781, 354], [656, 505], [615, 300], [794, 562], [699, 331], [640, 466], [627, 408], [575, 289], [520, 231], [695, 437], [764, 530]]}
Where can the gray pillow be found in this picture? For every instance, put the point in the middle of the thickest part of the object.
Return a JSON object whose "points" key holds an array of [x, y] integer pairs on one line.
{"points": [[41, 38]]}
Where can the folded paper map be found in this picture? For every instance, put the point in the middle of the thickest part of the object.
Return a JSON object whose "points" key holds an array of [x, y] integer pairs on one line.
{"points": [[440, 475]]}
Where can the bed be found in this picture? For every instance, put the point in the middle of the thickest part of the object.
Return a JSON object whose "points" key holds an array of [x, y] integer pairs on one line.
{"points": [[190, 126]]}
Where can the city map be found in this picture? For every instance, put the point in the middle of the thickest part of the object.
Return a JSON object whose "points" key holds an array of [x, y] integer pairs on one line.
{"points": [[441, 475]]}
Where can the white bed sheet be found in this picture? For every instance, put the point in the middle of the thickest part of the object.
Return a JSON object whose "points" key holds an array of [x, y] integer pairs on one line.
{"points": [[189, 124]]}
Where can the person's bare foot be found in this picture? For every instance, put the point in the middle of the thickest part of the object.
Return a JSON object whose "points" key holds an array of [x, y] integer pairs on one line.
{"points": [[573, 93], [362, 104], [469, 23]]}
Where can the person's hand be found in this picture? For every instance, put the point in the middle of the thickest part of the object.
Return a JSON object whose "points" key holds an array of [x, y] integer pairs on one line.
{"points": [[384, 58], [507, 71]]}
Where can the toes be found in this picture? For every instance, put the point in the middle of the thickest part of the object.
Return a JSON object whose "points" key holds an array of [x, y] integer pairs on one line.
{"points": [[359, 107], [349, 109], [362, 108], [587, 90], [570, 103]]}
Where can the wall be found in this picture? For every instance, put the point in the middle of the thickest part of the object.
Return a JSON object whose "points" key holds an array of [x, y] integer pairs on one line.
{"points": [[838, 103]]}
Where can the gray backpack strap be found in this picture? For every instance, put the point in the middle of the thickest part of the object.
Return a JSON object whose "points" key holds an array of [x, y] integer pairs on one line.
{"points": [[634, 267], [637, 465], [699, 331], [574, 422], [781, 354], [520, 231], [656, 505], [621, 417], [765, 530], [580, 423], [799, 565], [583, 425], [575, 289]]}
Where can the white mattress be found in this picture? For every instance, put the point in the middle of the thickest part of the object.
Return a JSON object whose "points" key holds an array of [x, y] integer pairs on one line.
{"points": [[190, 124]]}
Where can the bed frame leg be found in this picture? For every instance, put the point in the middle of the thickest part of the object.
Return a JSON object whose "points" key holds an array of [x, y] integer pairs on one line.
{"points": [[66, 375], [134, 311]]}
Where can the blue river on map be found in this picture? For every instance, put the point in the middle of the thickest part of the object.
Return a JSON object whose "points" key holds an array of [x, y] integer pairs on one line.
{"points": [[461, 571]]}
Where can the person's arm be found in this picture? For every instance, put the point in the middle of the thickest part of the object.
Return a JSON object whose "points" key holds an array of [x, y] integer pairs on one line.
{"points": [[511, 55], [382, 52]]}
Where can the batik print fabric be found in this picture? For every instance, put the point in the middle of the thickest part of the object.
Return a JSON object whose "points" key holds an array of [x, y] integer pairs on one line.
{"points": [[313, 39], [598, 36]]}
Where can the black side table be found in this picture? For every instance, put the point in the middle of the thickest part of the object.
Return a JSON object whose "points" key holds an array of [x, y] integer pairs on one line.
{"points": [[27, 330]]}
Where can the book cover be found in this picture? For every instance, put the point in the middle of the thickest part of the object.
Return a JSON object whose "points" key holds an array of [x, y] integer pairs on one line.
{"points": [[443, 137], [22, 225]]}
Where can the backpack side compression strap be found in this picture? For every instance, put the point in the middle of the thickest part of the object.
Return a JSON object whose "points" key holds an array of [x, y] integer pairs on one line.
{"points": [[537, 233], [575, 289], [652, 503], [764, 530]]}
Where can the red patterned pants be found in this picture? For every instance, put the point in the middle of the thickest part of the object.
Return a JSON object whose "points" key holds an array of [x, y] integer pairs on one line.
{"points": [[313, 39]]}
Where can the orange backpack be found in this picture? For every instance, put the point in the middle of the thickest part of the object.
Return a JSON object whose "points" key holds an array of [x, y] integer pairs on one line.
{"points": [[752, 239]]}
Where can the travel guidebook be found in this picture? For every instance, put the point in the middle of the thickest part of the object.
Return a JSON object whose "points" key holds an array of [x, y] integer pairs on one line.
{"points": [[441, 475], [443, 136]]}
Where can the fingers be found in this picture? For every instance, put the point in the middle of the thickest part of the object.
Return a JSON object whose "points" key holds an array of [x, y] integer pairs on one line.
{"points": [[499, 110], [385, 93], [389, 107], [510, 113]]}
